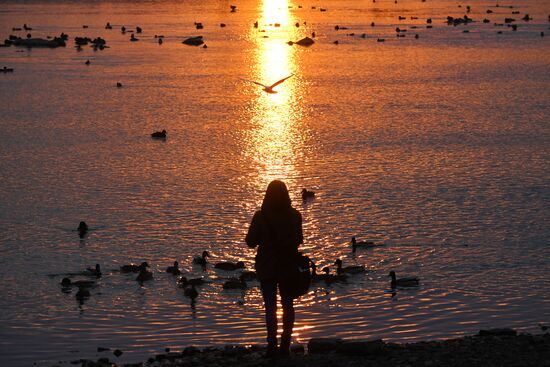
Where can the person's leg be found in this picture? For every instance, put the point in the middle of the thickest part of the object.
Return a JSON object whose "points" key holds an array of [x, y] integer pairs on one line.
{"points": [[269, 293], [288, 322]]}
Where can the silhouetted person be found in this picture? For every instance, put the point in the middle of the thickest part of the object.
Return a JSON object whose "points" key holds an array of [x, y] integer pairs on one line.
{"points": [[277, 231]]}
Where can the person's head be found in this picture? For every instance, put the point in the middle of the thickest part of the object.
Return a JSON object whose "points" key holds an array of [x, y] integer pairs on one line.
{"points": [[276, 197]]}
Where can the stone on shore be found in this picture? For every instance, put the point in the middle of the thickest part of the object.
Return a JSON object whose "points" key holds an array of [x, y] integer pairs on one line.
{"points": [[498, 332], [323, 345], [306, 41], [39, 42], [360, 347], [522, 350], [193, 41]]}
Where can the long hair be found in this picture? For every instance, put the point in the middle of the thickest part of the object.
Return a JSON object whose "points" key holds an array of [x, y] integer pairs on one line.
{"points": [[276, 197]]}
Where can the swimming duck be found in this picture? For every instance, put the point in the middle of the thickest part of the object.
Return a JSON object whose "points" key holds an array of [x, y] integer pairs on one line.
{"points": [[119, 85], [144, 275], [191, 292], [133, 268], [348, 269], [234, 283], [184, 282], [403, 282], [317, 277], [306, 194], [159, 134], [201, 260], [133, 38], [96, 271], [333, 278], [362, 244], [229, 265], [138, 29], [175, 270]]}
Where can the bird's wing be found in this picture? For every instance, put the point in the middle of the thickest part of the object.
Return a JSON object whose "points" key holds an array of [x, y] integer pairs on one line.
{"points": [[279, 82], [252, 81]]}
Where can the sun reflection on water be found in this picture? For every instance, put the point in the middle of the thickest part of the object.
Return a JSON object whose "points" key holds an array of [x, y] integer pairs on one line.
{"points": [[276, 139]]}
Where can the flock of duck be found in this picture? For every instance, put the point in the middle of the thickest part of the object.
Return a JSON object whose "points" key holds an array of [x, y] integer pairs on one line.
{"points": [[99, 43], [340, 274]]}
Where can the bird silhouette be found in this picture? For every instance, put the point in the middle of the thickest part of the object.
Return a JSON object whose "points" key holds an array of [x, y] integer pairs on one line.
{"points": [[269, 88]]}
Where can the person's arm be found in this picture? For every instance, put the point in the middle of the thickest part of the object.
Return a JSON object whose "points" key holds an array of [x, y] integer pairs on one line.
{"points": [[253, 236]]}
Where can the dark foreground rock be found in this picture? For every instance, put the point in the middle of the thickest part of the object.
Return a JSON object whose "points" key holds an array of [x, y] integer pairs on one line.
{"points": [[497, 348]]}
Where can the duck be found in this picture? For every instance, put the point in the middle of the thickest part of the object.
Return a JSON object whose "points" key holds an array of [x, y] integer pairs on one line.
{"points": [[138, 29], [184, 282], [82, 229], [119, 85], [191, 292], [348, 269], [403, 282], [234, 283], [133, 38], [175, 270], [6, 70], [317, 277], [306, 194], [144, 275], [201, 260], [362, 244], [95, 271], [333, 278], [159, 134], [229, 265], [108, 26], [133, 268]]}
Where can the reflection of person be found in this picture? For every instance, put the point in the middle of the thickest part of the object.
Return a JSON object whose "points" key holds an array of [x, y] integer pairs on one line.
{"points": [[277, 231]]}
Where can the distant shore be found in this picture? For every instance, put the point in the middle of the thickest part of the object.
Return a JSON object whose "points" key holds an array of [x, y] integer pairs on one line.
{"points": [[497, 347]]}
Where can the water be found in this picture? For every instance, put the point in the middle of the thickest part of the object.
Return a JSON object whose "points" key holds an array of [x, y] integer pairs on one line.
{"points": [[436, 147]]}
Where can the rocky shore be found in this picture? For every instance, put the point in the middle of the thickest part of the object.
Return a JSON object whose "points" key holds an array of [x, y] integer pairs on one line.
{"points": [[497, 347]]}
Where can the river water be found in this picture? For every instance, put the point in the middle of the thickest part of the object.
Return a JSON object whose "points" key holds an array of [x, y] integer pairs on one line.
{"points": [[436, 148]]}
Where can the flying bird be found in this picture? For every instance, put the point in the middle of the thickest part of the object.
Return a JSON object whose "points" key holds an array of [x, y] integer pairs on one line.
{"points": [[269, 88]]}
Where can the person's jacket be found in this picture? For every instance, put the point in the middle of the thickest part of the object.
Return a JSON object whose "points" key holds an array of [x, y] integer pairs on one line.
{"points": [[277, 235]]}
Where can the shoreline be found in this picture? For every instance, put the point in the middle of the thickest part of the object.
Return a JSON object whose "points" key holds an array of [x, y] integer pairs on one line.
{"points": [[495, 347]]}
